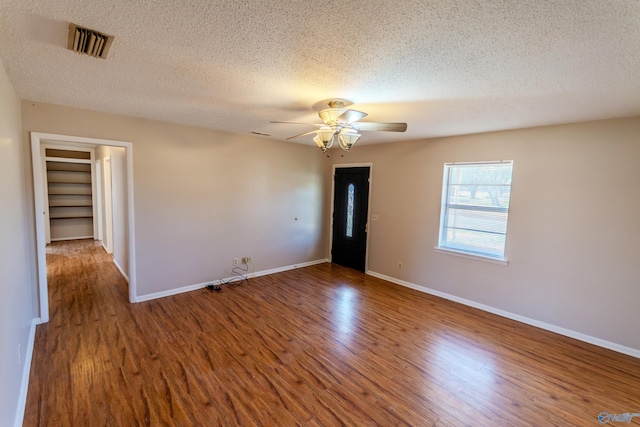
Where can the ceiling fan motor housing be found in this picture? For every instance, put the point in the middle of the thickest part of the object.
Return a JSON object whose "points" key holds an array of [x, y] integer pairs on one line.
{"points": [[330, 115]]}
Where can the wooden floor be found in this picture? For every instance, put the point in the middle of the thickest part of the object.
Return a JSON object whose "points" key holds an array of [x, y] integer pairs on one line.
{"points": [[318, 346]]}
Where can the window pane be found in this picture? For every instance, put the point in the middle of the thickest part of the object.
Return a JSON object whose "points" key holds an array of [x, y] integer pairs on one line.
{"points": [[476, 207], [481, 173], [350, 197], [480, 195], [493, 222], [476, 242]]}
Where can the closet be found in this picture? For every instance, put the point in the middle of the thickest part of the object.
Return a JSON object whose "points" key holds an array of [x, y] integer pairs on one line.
{"points": [[70, 194]]}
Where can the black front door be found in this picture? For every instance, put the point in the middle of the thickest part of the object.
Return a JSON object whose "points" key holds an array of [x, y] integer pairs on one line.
{"points": [[350, 212]]}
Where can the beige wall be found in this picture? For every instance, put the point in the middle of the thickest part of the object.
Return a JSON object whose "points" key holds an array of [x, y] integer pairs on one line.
{"points": [[574, 225], [15, 279], [203, 197]]}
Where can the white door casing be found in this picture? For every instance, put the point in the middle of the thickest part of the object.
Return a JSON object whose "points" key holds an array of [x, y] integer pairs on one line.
{"points": [[37, 139]]}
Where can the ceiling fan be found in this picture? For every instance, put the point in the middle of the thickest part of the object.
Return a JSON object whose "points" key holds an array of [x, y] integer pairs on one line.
{"points": [[344, 125]]}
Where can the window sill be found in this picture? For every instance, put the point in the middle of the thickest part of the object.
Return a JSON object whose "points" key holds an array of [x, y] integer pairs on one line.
{"points": [[471, 256]]}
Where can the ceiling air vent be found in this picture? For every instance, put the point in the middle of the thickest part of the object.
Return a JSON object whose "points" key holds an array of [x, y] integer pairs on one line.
{"points": [[88, 42]]}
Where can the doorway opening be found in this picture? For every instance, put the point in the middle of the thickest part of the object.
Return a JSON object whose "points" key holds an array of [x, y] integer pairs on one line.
{"points": [[126, 263], [349, 230]]}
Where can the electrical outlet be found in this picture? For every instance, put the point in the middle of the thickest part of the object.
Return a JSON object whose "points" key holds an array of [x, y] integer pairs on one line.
{"points": [[246, 259], [399, 265], [235, 262]]}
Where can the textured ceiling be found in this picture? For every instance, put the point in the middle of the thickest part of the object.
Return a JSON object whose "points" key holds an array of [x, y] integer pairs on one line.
{"points": [[445, 67]]}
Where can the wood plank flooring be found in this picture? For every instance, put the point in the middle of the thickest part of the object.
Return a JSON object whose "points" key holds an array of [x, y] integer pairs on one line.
{"points": [[318, 346]]}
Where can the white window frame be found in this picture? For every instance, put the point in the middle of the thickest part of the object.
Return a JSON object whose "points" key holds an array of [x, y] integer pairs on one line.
{"points": [[442, 246]]}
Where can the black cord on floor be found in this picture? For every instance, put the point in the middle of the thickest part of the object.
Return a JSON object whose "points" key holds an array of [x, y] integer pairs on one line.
{"points": [[240, 277]]}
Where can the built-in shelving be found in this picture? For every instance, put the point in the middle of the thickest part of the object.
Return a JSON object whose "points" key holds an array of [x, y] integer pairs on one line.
{"points": [[70, 194]]}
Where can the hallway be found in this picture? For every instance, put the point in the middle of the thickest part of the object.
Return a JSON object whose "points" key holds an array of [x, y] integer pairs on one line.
{"points": [[73, 351]]}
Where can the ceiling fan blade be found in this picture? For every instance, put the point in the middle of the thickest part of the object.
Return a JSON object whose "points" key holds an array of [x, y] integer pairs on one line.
{"points": [[373, 126], [297, 123], [351, 116], [302, 134]]}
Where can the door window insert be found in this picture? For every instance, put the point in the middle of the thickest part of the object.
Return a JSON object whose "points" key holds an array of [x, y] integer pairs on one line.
{"points": [[351, 189]]}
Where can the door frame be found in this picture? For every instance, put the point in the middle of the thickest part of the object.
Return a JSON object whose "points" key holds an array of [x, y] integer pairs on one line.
{"points": [[38, 138], [98, 181], [107, 183], [333, 196]]}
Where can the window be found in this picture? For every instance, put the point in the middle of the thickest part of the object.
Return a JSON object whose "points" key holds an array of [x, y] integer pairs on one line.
{"points": [[351, 189], [475, 208]]}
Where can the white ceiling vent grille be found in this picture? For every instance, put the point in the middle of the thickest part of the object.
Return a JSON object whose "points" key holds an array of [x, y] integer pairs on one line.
{"points": [[88, 42]]}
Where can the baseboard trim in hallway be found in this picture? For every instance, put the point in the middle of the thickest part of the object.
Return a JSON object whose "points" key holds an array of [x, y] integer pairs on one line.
{"points": [[26, 372]]}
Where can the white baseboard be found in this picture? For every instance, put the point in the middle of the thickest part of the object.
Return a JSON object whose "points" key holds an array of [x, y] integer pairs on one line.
{"points": [[176, 291], [26, 372], [61, 239], [121, 270], [197, 286], [289, 267], [542, 325]]}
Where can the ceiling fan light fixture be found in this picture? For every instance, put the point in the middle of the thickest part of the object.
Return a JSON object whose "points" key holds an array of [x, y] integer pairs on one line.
{"points": [[325, 133], [319, 142], [343, 125], [347, 139], [324, 138]]}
